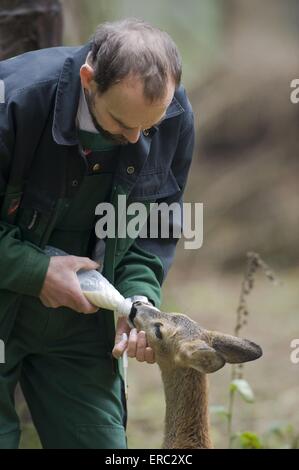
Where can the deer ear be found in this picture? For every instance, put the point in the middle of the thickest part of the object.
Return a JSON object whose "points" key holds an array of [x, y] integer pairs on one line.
{"points": [[236, 350], [200, 356]]}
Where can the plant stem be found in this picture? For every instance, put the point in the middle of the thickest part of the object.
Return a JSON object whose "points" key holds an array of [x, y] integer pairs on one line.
{"points": [[254, 262], [230, 411]]}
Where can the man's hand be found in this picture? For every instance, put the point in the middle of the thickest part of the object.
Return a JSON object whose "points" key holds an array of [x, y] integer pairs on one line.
{"points": [[137, 345], [61, 286]]}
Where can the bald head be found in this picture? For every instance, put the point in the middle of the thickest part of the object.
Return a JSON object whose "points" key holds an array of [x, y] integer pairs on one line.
{"points": [[132, 47]]}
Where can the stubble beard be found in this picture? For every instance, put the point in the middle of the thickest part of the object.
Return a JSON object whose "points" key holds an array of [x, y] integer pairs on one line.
{"points": [[113, 138]]}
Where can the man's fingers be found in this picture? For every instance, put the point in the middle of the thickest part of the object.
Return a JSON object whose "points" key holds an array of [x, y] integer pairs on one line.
{"points": [[82, 305], [149, 355], [119, 348], [62, 287], [122, 327], [79, 262], [132, 344], [136, 347], [121, 341], [90, 310], [141, 346]]}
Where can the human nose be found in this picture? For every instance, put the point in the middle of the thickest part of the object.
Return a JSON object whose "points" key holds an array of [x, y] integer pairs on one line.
{"points": [[132, 135]]}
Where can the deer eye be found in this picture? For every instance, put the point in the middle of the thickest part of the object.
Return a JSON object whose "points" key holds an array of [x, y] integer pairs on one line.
{"points": [[158, 330]]}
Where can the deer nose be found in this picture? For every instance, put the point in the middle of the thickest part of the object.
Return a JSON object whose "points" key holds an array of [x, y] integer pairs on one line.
{"points": [[134, 311]]}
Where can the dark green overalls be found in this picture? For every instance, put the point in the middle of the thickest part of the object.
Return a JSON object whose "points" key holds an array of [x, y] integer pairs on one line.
{"points": [[62, 358]]}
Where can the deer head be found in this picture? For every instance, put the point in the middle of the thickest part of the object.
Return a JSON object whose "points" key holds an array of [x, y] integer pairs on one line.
{"points": [[179, 341]]}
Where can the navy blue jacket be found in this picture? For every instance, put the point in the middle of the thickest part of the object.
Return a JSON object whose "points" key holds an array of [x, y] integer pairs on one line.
{"points": [[42, 164]]}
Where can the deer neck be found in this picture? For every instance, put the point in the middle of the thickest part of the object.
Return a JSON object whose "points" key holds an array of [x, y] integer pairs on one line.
{"points": [[186, 420]]}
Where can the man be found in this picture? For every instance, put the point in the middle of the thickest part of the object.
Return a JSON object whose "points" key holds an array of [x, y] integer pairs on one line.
{"points": [[81, 126]]}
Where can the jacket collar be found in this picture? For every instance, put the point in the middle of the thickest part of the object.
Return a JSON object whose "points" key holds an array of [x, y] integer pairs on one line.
{"points": [[67, 101], [174, 109]]}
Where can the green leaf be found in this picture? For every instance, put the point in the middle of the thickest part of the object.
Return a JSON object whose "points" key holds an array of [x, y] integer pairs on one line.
{"points": [[243, 387], [281, 430], [220, 411], [249, 440]]}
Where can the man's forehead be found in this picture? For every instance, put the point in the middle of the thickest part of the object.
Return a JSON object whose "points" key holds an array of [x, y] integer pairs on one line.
{"points": [[126, 101], [132, 88]]}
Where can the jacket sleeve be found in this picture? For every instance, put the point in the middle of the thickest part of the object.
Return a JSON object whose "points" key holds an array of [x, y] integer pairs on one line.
{"points": [[146, 263], [23, 266]]}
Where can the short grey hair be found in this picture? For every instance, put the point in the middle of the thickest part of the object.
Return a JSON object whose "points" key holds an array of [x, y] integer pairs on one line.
{"points": [[134, 47]]}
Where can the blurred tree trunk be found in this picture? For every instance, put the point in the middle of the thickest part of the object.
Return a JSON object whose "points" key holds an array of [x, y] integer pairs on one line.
{"points": [[82, 17], [27, 25]]}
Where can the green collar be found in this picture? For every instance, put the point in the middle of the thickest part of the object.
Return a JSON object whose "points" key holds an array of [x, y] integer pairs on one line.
{"points": [[95, 142]]}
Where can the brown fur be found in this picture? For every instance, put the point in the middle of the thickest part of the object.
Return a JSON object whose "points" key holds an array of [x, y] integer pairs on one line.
{"points": [[185, 353], [186, 392]]}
